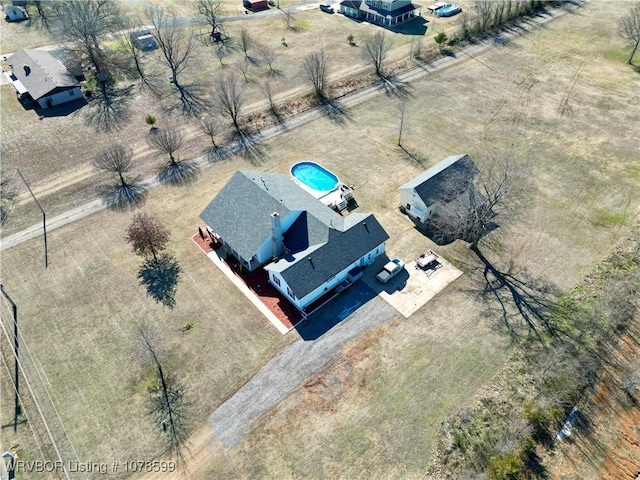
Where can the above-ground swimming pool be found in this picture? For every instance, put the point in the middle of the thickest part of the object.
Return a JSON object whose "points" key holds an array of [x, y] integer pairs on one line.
{"points": [[315, 176], [447, 10]]}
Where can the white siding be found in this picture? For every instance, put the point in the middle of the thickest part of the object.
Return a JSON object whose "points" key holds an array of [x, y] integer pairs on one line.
{"points": [[410, 197], [60, 98], [366, 259], [265, 252]]}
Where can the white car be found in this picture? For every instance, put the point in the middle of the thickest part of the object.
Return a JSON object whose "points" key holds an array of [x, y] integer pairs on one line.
{"points": [[390, 270]]}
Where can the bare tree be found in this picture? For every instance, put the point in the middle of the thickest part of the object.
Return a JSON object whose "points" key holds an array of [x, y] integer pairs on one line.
{"points": [[629, 29], [175, 171], [465, 21], [8, 194], [118, 161], [229, 98], [375, 50], [268, 56], [176, 47], [268, 92], [133, 53], [474, 199], [288, 16], [212, 127], [210, 11], [315, 69], [167, 141], [484, 9], [85, 24], [168, 406], [402, 113], [244, 65], [246, 41], [146, 235], [42, 18]]}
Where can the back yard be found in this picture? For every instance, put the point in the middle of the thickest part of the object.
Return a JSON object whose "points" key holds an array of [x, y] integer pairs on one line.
{"points": [[559, 97]]}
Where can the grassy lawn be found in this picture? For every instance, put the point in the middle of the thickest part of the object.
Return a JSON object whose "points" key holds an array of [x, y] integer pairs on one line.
{"points": [[554, 97], [58, 166]]}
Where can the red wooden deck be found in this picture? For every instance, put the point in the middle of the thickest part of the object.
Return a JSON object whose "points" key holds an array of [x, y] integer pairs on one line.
{"points": [[258, 283]]}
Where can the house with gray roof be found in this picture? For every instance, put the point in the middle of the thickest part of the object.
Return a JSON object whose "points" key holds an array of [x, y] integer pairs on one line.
{"points": [[39, 76], [265, 220], [445, 190], [387, 13]]}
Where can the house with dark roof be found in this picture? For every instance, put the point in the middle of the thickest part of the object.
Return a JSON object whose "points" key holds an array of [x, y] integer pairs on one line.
{"points": [[265, 220], [39, 76], [445, 190], [381, 12]]}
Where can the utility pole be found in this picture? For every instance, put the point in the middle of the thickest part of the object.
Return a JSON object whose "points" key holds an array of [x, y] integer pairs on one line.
{"points": [[14, 308], [44, 219]]}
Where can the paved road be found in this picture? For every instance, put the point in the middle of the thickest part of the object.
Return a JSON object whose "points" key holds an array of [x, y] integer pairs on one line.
{"points": [[351, 314]]}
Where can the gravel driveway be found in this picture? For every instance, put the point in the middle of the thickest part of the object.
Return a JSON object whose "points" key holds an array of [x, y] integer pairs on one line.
{"points": [[322, 339]]}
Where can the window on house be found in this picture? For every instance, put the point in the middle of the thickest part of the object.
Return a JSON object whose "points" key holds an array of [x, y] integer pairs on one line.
{"points": [[290, 293], [71, 93], [276, 280]]}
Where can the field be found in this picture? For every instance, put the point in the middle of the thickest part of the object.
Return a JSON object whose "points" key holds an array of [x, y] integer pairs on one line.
{"points": [[64, 177], [557, 97]]}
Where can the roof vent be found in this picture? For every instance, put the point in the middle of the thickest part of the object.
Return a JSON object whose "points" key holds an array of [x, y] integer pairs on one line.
{"points": [[365, 226], [264, 183], [27, 70]]}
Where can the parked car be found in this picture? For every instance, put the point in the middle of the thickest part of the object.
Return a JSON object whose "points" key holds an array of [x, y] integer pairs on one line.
{"points": [[143, 40], [326, 8], [390, 270]]}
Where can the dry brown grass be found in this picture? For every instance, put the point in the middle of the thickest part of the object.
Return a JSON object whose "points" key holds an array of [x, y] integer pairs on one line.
{"points": [[397, 383]]}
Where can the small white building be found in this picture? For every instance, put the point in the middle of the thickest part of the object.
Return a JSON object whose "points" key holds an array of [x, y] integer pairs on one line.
{"points": [[39, 76], [440, 189]]}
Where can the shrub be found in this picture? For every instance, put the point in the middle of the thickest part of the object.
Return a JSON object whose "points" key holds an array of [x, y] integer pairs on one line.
{"points": [[150, 120], [504, 467]]}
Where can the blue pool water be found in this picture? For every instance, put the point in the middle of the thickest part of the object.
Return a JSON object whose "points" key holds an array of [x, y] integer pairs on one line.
{"points": [[448, 10], [314, 176]]}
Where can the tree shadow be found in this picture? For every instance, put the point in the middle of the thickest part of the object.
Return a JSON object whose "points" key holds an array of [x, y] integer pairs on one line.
{"points": [[192, 100], [160, 278], [525, 305], [178, 173], [123, 197], [216, 153], [334, 110], [250, 147], [394, 87], [109, 109]]}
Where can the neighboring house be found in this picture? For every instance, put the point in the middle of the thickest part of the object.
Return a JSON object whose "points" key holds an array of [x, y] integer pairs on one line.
{"points": [[14, 13], [381, 12], [265, 220], [39, 76], [445, 190], [255, 5]]}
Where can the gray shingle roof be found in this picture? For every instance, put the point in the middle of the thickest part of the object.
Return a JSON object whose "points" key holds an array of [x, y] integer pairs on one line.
{"points": [[241, 212], [309, 269], [241, 215], [43, 74], [434, 184]]}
